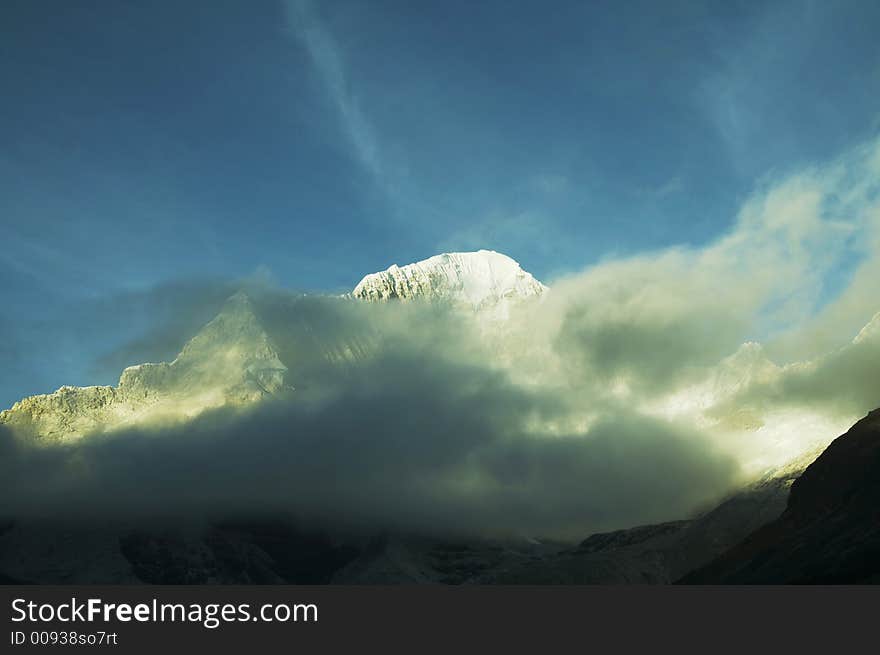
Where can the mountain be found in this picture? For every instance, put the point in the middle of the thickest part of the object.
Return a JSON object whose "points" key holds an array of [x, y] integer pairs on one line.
{"points": [[649, 554], [253, 349], [661, 553], [830, 530], [481, 280], [269, 345], [279, 552], [230, 361]]}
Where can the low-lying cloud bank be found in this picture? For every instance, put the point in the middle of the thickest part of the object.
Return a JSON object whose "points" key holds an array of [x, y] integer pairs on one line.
{"points": [[401, 445], [624, 396], [418, 428]]}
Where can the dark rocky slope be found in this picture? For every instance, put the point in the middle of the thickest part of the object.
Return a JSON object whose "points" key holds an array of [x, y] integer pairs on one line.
{"points": [[657, 554], [830, 530]]}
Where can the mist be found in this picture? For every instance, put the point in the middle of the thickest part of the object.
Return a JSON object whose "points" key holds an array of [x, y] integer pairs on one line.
{"points": [[624, 396]]}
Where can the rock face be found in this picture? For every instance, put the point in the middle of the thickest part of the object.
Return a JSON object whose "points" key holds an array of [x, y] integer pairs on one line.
{"points": [[231, 360], [397, 559], [259, 552], [830, 530], [56, 552], [480, 280]]}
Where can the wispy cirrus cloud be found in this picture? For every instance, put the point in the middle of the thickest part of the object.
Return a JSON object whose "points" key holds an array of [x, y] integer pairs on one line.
{"points": [[327, 57], [385, 165]]}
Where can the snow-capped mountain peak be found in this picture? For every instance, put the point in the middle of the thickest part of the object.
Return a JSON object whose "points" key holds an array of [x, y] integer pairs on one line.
{"points": [[476, 279], [233, 360]]}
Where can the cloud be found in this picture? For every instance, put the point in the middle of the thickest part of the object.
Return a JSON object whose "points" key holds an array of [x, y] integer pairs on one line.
{"points": [[644, 321], [843, 382], [747, 90], [655, 331], [767, 276], [159, 319], [418, 436], [329, 63], [384, 162], [622, 397]]}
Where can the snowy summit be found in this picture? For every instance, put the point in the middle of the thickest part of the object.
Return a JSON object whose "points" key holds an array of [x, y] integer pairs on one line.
{"points": [[480, 279]]}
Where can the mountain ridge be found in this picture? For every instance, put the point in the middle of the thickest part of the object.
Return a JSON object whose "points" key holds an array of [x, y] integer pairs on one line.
{"points": [[233, 360], [230, 360]]}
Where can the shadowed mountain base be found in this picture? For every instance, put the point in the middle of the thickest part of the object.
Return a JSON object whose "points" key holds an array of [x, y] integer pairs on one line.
{"points": [[830, 530]]}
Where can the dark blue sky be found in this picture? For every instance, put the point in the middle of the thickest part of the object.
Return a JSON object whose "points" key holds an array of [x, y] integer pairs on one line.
{"points": [[145, 143]]}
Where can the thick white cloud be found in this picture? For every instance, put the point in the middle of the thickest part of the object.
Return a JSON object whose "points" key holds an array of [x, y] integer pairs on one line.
{"points": [[658, 332]]}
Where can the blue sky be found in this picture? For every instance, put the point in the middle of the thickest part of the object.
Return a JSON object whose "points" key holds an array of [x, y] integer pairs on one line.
{"points": [[145, 143]]}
